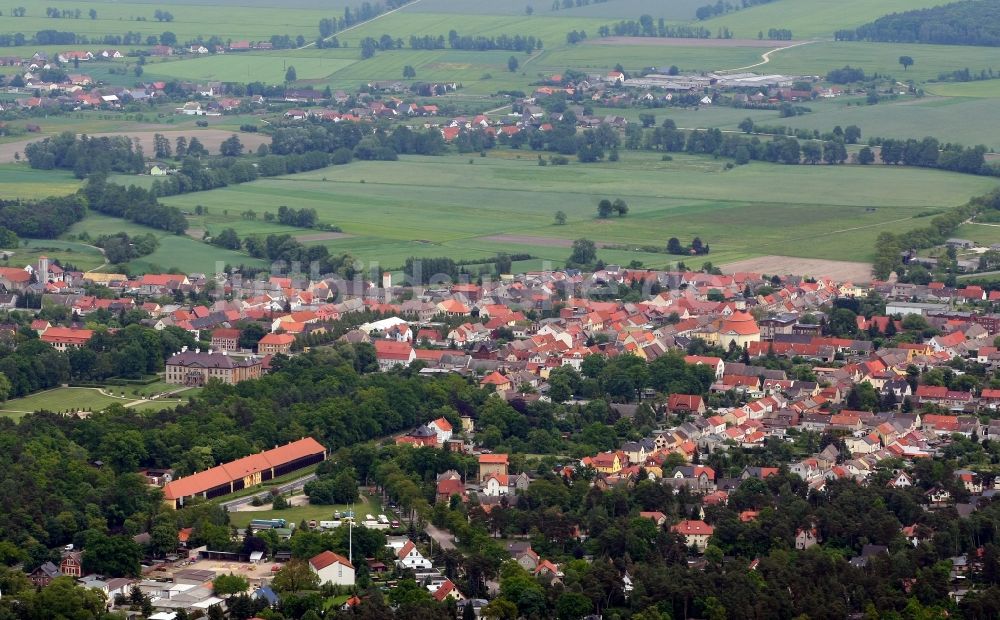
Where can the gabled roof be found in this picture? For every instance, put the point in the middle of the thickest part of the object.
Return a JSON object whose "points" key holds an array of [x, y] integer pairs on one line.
{"points": [[328, 558]]}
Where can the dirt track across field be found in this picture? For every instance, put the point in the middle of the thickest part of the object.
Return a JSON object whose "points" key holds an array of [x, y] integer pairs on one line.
{"points": [[324, 236], [838, 270], [656, 41], [210, 138]]}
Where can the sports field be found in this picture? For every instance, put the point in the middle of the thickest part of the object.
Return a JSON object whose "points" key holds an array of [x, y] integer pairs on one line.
{"points": [[448, 207]]}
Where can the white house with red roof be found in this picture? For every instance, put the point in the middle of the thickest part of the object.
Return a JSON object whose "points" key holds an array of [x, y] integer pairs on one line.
{"points": [[443, 429], [409, 556], [496, 485], [332, 568]]}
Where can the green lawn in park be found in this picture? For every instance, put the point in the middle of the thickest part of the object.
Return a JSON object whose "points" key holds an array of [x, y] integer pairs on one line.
{"points": [[91, 399]]}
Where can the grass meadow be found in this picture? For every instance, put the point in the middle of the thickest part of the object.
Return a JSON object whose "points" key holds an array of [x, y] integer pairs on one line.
{"points": [[20, 181], [79, 255], [446, 206], [174, 251], [883, 58]]}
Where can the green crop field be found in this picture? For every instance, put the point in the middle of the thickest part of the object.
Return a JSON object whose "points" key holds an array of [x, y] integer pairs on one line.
{"points": [[677, 10], [966, 121], [551, 30], [984, 89], [883, 58], [190, 21], [596, 55], [444, 206], [20, 181], [254, 66], [811, 18]]}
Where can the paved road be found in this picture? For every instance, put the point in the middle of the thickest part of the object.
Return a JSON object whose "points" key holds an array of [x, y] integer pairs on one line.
{"points": [[283, 488], [441, 537]]}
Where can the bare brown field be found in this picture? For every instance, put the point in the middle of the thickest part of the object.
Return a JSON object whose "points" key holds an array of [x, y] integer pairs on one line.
{"points": [[211, 138], [664, 42], [838, 270]]}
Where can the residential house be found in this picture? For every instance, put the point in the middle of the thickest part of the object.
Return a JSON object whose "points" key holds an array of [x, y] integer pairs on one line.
{"points": [[492, 464], [442, 428], [695, 533], [410, 557], [685, 403], [332, 568]]}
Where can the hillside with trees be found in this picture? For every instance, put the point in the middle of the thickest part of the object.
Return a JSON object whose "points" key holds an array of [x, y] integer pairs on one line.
{"points": [[970, 22]]}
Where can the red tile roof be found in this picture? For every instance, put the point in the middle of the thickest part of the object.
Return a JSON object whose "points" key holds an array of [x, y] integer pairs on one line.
{"points": [[327, 558], [493, 459], [234, 470]]}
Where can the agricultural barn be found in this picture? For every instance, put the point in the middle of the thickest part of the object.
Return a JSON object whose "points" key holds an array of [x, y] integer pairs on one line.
{"points": [[245, 472]]}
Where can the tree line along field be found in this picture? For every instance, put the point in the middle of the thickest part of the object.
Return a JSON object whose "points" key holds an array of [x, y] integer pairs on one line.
{"points": [[444, 206]]}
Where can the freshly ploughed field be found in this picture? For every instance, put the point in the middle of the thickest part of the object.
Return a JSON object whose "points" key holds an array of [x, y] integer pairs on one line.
{"points": [[839, 270]]}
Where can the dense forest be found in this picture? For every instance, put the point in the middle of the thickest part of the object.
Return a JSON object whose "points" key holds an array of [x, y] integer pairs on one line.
{"points": [[969, 22], [85, 155], [46, 218]]}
